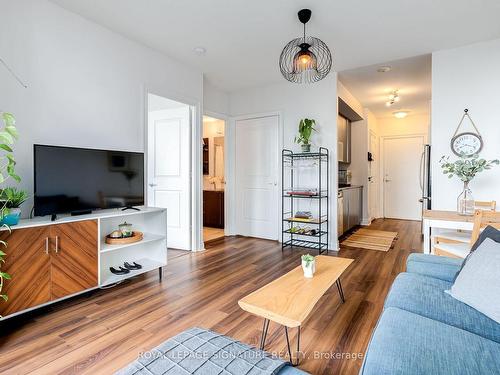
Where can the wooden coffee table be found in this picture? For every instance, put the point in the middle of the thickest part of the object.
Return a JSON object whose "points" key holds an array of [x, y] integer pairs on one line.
{"points": [[290, 299]]}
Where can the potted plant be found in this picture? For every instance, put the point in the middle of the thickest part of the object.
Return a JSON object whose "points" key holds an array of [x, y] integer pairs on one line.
{"points": [[465, 169], [12, 198], [308, 265], [306, 127], [8, 135]]}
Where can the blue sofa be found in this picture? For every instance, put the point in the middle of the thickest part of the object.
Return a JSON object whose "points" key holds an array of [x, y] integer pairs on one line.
{"points": [[423, 330]]}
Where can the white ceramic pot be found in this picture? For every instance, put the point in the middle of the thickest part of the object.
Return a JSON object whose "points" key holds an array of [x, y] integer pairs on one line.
{"points": [[309, 270]]}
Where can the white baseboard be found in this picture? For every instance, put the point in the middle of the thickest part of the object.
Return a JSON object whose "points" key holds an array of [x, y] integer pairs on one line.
{"points": [[366, 222]]}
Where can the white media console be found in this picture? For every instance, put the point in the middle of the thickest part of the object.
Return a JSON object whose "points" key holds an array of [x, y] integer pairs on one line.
{"points": [[69, 256]]}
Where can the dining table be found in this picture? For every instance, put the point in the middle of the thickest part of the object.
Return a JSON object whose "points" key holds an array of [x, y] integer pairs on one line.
{"points": [[435, 220]]}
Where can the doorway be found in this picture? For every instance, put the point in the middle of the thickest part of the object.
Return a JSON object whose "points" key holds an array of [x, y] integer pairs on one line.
{"points": [[214, 182], [401, 159], [168, 160], [256, 176]]}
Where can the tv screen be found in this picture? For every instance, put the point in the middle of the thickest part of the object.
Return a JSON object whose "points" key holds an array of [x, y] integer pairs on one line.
{"points": [[74, 180]]}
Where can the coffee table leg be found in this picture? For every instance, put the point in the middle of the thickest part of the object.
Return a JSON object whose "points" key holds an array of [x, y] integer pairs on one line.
{"points": [[341, 292], [289, 349], [264, 334]]}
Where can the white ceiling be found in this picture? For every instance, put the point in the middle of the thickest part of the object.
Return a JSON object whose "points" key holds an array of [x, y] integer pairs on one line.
{"points": [[411, 77], [244, 38]]}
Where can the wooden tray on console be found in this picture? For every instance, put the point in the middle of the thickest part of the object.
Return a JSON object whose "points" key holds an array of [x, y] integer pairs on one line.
{"points": [[136, 237]]}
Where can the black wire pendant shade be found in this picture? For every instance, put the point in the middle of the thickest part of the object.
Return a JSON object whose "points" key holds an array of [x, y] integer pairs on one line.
{"points": [[305, 59]]}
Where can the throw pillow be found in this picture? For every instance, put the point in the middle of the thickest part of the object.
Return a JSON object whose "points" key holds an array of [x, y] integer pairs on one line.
{"points": [[488, 232], [478, 283]]}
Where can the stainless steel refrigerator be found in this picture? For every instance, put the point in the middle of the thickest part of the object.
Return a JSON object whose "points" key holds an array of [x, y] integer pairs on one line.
{"points": [[425, 178]]}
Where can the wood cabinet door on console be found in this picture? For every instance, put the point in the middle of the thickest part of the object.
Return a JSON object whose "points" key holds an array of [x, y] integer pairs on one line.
{"points": [[28, 263], [73, 249]]}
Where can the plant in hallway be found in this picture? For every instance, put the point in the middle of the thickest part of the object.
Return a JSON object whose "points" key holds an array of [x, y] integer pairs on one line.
{"points": [[308, 265], [466, 168], [306, 127], [8, 136]]}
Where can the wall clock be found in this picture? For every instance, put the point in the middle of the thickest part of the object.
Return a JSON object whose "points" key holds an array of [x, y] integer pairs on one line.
{"points": [[466, 143]]}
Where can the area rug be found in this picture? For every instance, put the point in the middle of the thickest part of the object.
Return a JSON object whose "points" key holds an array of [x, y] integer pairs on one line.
{"points": [[371, 239], [203, 352]]}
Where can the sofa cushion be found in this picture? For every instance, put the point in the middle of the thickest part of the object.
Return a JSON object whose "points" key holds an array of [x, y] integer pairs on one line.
{"points": [[410, 344], [435, 259], [478, 283], [442, 268], [426, 296]]}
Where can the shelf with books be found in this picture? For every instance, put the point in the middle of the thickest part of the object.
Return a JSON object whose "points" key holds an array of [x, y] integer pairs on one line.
{"points": [[296, 211]]}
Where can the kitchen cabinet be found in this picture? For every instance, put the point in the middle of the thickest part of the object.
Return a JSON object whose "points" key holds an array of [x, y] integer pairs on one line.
{"points": [[351, 208], [213, 208], [343, 139], [47, 263]]}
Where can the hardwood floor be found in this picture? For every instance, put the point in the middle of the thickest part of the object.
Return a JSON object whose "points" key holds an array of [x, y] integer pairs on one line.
{"points": [[210, 234], [103, 331]]}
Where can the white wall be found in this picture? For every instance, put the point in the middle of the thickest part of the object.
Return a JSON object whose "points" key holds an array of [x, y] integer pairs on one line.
{"points": [[466, 77], [349, 99], [295, 102], [215, 100], [86, 83], [412, 124]]}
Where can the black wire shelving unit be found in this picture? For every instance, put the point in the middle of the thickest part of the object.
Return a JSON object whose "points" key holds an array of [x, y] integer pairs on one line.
{"points": [[290, 225]]}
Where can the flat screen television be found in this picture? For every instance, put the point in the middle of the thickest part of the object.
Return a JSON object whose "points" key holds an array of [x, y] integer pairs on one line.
{"points": [[78, 180]]}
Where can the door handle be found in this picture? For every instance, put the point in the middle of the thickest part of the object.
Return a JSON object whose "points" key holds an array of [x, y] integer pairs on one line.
{"points": [[153, 185], [57, 245], [47, 245]]}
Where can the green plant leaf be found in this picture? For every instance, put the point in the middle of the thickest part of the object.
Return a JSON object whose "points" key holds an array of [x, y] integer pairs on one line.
{"points": [[6, 138], [5, 147], [5, 275], [9, 119], [5, 298]]}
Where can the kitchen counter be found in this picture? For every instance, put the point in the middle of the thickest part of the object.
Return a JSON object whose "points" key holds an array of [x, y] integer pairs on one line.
{"points": [[350, 187]]}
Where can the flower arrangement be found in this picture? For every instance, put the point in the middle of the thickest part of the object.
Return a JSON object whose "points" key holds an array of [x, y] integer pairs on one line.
{"points": [[466, 168]]}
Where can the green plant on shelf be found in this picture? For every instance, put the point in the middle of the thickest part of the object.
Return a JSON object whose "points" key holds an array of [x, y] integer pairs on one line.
{"points": [[13, 197], [306, 127]]}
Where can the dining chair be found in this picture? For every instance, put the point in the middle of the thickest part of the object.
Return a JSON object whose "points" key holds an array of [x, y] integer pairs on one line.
{"points": [[482, 219]]}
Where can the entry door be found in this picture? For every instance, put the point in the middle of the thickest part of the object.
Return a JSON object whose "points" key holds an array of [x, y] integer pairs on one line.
{"points": [[169, 171], [401, 177], [373, 183], [256, 177]]}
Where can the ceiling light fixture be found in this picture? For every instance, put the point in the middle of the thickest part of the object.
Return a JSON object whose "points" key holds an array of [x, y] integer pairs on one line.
{"points": [[305, 59], [384, 69], [393, 98], [200, 51], [400, 114]]}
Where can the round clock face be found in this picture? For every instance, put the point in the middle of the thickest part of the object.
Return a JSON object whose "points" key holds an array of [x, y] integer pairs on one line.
{"points": [[466, 144]]}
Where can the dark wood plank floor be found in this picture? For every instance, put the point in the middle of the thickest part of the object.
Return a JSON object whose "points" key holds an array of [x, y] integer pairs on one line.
{"points": [[105, 330]]}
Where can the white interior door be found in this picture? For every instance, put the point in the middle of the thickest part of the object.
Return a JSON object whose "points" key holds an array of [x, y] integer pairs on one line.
{"points": [[256, 177], [169, 171], [401, 177], [373, 183]]}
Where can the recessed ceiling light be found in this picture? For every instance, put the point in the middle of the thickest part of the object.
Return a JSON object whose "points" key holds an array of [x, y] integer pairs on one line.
{"points": [[384, 69], [200, 51], [400, 114]]}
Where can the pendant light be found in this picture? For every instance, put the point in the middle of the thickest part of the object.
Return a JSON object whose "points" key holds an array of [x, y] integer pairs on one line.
{"points": [[306, 59]]}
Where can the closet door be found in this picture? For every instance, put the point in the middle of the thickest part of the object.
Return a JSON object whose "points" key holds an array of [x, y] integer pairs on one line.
{"points": [[73, 249], [28, 262]]}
